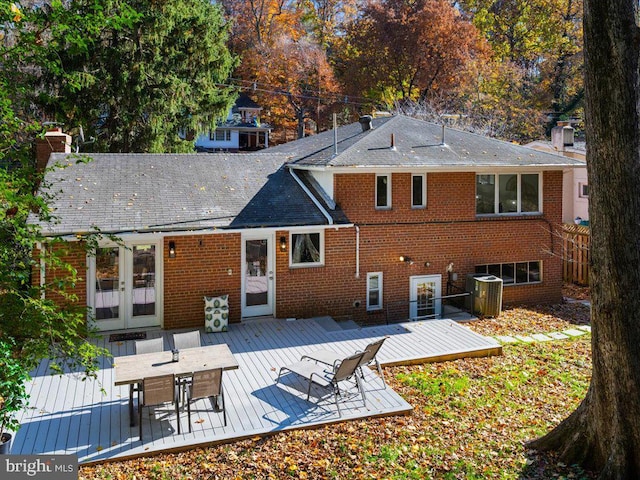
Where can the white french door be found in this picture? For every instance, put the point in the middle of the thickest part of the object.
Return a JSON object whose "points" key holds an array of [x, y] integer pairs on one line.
{"points": [[425, 298], [124, 285], [257, 275]]}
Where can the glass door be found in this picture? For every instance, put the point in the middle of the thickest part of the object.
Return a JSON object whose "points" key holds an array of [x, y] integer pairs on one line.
{"points": [[257, 283], [107, 295], [141, 286], [426, 292], [125, 287]]}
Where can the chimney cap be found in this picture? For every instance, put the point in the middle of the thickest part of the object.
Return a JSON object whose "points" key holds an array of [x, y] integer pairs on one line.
{"points": [[365, 122]]}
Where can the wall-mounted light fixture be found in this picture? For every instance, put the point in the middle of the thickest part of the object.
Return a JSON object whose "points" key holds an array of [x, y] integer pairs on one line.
{"points": [[405, 259], [427, 264], [283, 244], [172, 249]]}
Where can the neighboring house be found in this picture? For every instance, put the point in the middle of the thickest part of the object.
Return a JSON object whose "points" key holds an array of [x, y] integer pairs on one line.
{"points": [[370, 227], [242, 130], [575, 198]]}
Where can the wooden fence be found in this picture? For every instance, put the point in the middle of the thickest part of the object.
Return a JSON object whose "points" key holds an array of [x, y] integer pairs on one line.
{"points": [[575, 254]]}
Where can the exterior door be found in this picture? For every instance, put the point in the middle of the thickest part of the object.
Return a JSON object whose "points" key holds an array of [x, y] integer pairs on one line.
{"points": [[124, 290], [426, 293], [257, 282]]}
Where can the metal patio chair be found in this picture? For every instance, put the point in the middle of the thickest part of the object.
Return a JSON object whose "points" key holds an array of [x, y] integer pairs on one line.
{"points": [[158, 391], [152, 345], [186, 340], [370, 355], [206, 384], [344, 370]]}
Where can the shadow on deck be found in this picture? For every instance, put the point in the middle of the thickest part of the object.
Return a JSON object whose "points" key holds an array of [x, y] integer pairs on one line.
{"points": [[69, 416]]}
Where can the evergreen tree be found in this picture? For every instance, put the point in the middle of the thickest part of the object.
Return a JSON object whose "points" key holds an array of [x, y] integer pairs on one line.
{"points": [[153, 69]]}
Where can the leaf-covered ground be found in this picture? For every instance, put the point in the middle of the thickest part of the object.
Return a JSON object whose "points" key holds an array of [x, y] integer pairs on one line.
{"points": [[471, 420]]}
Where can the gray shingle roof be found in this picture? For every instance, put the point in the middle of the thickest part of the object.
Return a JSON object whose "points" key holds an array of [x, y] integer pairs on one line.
{"points": [[417, 144], [151, 192]]}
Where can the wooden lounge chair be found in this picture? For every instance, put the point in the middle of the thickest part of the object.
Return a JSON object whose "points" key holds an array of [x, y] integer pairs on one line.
{"points": [[370, 355], [157, 391], [346, 369], [206, 384]]}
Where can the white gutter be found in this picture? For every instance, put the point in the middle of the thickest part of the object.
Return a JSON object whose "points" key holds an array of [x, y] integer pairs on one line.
{"points": [[311, 196], [357, 251], [208, 231]]}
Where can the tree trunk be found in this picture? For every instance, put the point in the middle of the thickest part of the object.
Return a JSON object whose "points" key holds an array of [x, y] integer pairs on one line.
{"points": [[603, 434]]}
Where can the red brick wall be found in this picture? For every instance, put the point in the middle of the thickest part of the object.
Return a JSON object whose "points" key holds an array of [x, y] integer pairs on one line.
{"points": [[450, 196], [201, 267], [446, 231], [74, 254]]}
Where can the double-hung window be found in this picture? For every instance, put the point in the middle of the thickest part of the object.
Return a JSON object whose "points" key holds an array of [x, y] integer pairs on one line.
{"points": [[307, 249], [418, 190], [508, 193], [220, 135], [383, 191], [374, 291]]}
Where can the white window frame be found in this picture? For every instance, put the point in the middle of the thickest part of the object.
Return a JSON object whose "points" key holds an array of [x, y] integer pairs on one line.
{"points": [[388, 205], [370, 307], [214, 135], [424, 190], [519, 194], [292, 246], [581, 188]]}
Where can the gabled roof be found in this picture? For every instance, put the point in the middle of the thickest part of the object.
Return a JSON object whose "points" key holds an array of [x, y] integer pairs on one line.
{"points": [[416, 144], [164, 192], [244, 101]]}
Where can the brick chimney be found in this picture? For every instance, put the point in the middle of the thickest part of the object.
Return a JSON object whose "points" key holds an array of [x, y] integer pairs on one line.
{"points": [[54, 141], [562, 136]]}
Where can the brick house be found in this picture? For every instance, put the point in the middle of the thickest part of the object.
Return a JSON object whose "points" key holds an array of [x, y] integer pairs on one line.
{"points": [[362, 223]]}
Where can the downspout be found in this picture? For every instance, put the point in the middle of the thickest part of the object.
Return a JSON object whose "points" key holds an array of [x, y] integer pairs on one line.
{"points": [[311, 196], [357, 251], [43, 278]]}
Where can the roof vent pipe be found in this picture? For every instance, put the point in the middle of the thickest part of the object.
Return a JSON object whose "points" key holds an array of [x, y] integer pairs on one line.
{"points": [[365, 122], [442, 135], [393, 141]]}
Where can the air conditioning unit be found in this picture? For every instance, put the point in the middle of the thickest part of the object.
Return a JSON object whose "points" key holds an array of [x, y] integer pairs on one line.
{"points": [[486, 294], [470, 286]]}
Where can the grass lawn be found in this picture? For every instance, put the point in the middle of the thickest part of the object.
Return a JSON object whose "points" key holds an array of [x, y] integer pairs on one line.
{"points": [[471, 420]]}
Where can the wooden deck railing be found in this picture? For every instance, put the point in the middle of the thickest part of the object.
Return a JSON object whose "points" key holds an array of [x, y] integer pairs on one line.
{"points": [[575, 254]]}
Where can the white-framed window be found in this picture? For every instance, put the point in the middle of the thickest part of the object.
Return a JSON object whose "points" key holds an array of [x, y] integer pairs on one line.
{"points": [[307, 249], [514, 272], [418, 190], [383, 191], [583, 190], [508, 193], [374, 291], [220, 135]]}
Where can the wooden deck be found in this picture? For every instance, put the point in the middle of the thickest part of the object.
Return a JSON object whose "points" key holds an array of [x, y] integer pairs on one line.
{"points": [[69, 416]]}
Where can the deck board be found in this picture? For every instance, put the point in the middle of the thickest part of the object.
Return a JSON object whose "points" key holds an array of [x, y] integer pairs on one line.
{"points": [[69, 416]]}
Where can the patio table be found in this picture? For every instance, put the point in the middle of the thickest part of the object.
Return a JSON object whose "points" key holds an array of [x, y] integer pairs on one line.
{"points": [[133, 369]]}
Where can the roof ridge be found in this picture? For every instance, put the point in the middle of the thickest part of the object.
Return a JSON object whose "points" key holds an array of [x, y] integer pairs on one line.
{"points": [[382, 127]]}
